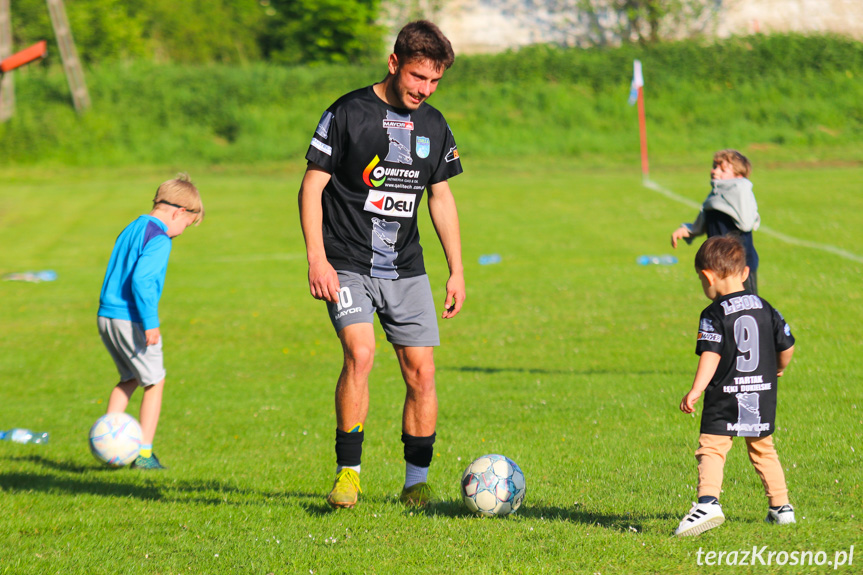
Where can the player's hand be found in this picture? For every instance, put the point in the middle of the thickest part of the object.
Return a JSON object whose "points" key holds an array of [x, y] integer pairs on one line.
{"points": [[324, 281], [679, 234], [687, 404], [153, 336], [455, 294], [780, 373]]}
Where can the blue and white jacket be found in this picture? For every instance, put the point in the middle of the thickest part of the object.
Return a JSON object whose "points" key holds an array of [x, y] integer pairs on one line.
{"points": [[136, 273]]}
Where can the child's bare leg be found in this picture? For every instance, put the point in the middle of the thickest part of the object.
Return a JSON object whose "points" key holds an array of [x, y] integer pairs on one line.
{"points": [[151, 406], [120, 396]]}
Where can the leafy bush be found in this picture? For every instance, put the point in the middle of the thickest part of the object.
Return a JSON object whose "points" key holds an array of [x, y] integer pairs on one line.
{"points": [[207, 31], [780, 93]]}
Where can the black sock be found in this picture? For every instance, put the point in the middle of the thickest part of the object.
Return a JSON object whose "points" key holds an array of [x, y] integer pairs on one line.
{"points": [[418, 450], [349, 448], [707, 499]]}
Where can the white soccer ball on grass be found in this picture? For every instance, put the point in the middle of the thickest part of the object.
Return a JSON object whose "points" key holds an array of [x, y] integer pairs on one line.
{"points": [[493, 486], [115, 439]]}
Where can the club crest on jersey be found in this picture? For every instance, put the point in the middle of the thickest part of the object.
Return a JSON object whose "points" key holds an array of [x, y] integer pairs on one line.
{"points": [[706, 325], [390, 204], [423, 146]]}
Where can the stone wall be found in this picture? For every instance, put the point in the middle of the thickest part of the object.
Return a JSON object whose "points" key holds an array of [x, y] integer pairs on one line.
{"points": [[495, 25]]}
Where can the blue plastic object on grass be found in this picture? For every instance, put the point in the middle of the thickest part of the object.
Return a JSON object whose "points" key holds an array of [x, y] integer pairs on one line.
{"points": [[32, 277], [487, 259], [20, 435], [663, 260]]}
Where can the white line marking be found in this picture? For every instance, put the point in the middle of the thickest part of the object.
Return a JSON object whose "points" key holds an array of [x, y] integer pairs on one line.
{"points": [[258, 258], [767, 230]]}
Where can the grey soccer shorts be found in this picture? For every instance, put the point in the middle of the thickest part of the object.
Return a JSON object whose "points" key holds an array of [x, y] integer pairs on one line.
{"points": [[405, 307], [127, 343]]}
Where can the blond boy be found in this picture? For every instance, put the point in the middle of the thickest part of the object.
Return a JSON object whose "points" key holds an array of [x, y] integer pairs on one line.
{"points": [[128, 316], [744, 346]]}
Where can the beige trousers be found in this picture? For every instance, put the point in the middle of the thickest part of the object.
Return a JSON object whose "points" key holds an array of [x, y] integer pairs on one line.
{"points": [[711, 453]]}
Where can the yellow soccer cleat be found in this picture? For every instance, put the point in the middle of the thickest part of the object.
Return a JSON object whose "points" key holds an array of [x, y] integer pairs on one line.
{"points": [[418, 495], [345, 489]]}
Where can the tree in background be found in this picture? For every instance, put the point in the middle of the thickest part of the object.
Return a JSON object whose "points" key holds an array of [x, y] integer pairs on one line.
{"points": [[103, 29], [199, 31], [191, 31], [322, 31]]}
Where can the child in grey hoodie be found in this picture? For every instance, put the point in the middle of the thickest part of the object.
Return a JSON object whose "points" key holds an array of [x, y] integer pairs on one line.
{"points": [[730, 208]]}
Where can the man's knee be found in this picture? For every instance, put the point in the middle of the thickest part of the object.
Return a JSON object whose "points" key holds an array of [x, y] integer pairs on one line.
{"points": [[359, 358], [420, 379]]}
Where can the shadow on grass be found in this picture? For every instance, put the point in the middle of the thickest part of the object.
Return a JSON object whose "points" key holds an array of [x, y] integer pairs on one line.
{"points": [[72, 478], [622, 523], [320, 508], [145, 485], [543, 371]]}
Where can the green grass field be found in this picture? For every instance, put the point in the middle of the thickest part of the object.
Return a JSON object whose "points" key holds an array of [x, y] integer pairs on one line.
{"points": [[568, 357]]}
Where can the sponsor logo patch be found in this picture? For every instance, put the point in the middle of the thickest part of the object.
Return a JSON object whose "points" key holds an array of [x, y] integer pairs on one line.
{"points": [[324, 125], [452, 155], [378, 174], [398, 124], [316, 143], [390, 204], [709, 337]]}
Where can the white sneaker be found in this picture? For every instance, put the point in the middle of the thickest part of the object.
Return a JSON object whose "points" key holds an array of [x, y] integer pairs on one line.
{"points": [[782, 516], [701, 517]]}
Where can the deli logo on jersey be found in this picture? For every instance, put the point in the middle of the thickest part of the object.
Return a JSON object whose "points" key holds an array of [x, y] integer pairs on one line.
{"points": [[390, 204], [715, 337], [398, 125]]}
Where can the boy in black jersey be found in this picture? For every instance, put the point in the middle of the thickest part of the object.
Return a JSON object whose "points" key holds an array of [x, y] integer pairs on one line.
{"points": [[744, 347], [374, 154]]}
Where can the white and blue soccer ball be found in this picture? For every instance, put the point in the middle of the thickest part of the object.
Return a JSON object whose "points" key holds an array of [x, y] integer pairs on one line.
{"points": [[115, 439], [493, 485]]}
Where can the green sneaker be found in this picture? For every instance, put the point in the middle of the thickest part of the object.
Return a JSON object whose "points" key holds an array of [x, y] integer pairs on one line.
{"points": [[418, 495], [345, 489], [148, 463]]}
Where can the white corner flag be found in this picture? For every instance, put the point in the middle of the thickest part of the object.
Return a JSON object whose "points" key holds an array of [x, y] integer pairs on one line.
{"points": [[637, 82]]}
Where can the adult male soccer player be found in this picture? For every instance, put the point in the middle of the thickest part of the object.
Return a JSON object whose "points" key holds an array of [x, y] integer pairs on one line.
{"points": [[374, 153]]}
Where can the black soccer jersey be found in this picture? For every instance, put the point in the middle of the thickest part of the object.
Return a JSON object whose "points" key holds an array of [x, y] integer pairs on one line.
{"points": [[381, 160], [747, 333]]}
